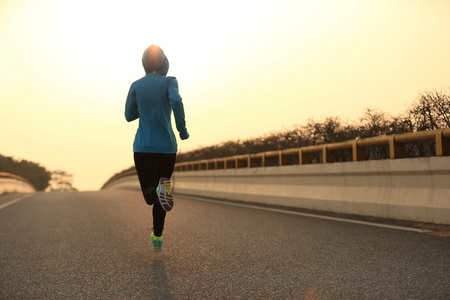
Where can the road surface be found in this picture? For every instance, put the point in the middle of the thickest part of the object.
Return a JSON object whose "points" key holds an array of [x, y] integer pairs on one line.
{"points": [[95, 245]]}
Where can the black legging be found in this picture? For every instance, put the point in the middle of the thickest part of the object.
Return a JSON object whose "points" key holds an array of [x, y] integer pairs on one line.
{"points": [[150, 168]]}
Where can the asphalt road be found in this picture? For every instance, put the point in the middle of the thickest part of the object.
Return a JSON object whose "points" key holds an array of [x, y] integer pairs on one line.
{"points": [[95, 245]]}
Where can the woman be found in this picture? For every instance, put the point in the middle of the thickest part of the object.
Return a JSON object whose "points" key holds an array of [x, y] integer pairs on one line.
{"points": [[152, 99]]}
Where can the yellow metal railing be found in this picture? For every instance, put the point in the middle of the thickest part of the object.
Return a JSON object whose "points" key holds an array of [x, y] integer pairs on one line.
{"points": [[396, 143]]}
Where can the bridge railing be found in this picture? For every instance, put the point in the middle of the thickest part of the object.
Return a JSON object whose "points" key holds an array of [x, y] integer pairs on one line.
{"points": [[302, 155]]}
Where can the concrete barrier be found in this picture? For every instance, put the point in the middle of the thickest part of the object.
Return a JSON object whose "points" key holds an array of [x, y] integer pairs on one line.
{"points": [[10, 183], [416, 189], [130, 182]]}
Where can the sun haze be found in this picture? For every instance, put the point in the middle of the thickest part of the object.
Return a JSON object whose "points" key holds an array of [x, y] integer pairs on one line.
{"points": [[244, 68]]}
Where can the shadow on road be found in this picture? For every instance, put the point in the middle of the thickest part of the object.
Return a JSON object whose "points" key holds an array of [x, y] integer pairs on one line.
{"points": [[160, 285]]}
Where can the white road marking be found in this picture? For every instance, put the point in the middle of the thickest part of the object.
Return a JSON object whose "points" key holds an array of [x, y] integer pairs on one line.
{"points": [[311, 215], [14, 201]]}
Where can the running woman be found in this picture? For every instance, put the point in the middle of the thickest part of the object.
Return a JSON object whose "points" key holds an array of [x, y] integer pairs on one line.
{"points": [[152, 99]]}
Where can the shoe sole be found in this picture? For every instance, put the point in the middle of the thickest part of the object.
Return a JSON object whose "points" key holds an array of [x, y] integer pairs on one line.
{"points": [[164, 196]]}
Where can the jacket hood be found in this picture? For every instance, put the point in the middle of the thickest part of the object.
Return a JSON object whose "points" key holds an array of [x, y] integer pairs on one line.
{"points": [[155, 61]]}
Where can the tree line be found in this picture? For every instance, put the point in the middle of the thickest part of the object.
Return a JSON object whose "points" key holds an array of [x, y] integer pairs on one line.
{"points": [[34, 173], [430, 110]]}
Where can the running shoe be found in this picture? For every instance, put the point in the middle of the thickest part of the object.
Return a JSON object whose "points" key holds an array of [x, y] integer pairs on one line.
{"points": [[164, 195], [156, 242]]}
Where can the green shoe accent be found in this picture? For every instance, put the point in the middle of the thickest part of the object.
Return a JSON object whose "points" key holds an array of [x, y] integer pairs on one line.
{"points": [[156, 242]]}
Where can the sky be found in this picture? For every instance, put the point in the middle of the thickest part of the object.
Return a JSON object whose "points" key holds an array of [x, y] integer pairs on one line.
{"points": [[245, 69]]}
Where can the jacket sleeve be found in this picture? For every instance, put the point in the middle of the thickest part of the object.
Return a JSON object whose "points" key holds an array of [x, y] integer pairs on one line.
{"points": [[131, 111], [177, 107]]}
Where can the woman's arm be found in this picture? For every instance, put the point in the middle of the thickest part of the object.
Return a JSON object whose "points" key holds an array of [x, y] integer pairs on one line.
{"points": [[131, 111], [177, 107]]}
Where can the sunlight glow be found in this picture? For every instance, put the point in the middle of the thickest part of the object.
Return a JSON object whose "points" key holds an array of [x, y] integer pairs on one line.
{"points": [[244, 68]]}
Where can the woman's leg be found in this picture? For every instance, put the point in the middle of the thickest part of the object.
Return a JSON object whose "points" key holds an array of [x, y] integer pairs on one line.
{"points": [[150, 168], [146, 169], [165, 165]]}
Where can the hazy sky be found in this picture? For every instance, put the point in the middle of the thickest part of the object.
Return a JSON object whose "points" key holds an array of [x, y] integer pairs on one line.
{"points": [[245, 68]]}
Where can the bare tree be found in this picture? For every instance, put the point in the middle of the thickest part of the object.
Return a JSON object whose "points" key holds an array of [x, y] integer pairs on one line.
{"points": [[430, 110], [61, 181]]}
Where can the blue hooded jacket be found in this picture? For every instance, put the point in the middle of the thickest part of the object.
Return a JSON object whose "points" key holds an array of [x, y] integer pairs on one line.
{"points": [[152, 99]]}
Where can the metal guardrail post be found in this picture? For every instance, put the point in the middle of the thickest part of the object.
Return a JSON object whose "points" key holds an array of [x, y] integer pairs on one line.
{"points": [[327, 155], [396, 150], [358, 153], [304, 158], [442, 143]]}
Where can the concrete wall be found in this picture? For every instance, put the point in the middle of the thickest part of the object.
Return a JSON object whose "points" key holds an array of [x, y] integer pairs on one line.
{"points": [[11, 185], [407, 189], [125, 183]]}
